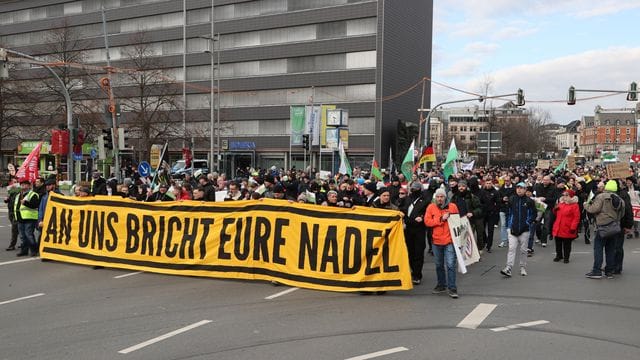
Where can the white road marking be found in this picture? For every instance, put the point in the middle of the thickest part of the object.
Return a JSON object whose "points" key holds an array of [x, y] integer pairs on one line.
{"points": [[378, 353], [270, 297], [636, 252], [515, 326], [476, 316], [129, 274], [19, 261], [163, 337], [22, 298]]}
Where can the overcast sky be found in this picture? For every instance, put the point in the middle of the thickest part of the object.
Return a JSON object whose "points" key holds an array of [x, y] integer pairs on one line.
{"points": [[541, 46]]}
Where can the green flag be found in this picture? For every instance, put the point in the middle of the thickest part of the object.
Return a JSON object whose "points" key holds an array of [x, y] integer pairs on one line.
{"points": [[345, 167], [375, 170], [407, 162], [450, 163]]}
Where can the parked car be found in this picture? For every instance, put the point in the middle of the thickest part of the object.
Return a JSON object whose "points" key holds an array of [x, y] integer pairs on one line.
{"points": [[179, 169]]}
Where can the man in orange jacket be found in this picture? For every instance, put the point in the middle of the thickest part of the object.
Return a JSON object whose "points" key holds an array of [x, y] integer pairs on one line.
{"points": [[443, 248]]}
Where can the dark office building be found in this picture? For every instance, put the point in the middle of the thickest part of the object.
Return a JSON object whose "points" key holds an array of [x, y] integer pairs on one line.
{"points": [[361, 56]]}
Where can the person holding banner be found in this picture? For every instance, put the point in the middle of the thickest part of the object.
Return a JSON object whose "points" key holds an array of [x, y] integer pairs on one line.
{"points": [[565, 227], [414, 230], [522, 213], [443, 249], [26, 205]]}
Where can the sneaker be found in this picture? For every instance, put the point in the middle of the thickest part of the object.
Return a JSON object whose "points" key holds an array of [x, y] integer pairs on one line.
{"points": [[593, 275], [506, 271], [609, 275], [557, 259], [439, 289], [489, 250], [453, 293], [566, 261], [586, 241], [523, 271], [416, 281], [537, 241], [502, 244], [544, 244], [10, 248]]}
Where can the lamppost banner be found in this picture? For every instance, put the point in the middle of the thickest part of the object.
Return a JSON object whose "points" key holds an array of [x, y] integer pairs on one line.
{"points": [[297, 118]]}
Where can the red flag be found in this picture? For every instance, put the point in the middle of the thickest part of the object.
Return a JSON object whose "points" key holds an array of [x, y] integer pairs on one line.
{"points": [[29, 168]]}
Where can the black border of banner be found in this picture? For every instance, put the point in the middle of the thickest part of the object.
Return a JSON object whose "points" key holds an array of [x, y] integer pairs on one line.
{"points": [[224, 269], [219, 208]]}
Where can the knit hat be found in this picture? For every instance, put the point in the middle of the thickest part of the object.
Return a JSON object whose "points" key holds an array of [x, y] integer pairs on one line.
{"points": [[371, 186], [440, 191], [416, 185], [462, 183], [570, 192], [611, 186]]}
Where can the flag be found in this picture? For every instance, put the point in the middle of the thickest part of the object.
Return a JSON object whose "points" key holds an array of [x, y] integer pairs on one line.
{"points": [[563, 164], [407, 162], [29, 168], [345, 168], [426, 156], [450, 163], [375, 170]]}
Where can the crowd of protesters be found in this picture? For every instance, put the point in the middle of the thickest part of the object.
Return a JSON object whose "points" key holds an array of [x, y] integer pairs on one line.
{"points": [[526, 205]]}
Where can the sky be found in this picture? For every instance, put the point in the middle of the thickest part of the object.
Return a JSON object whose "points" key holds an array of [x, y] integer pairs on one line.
{"points": [[540, 46]]}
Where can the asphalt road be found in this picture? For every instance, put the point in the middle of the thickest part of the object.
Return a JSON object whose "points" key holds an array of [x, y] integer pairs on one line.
{"points": [[52, 310]]}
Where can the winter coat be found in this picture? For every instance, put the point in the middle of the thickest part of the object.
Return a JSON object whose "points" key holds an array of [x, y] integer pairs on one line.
{"points": [[606, 207], [522, 213], [433, 218], [469, 202], [567, 214]]}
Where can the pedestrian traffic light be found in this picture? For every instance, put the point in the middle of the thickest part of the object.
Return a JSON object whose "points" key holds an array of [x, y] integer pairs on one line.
{"points": [[123, 139], [633, 92], [108, 139], [571, 98], [520, 97], [305, 141]]}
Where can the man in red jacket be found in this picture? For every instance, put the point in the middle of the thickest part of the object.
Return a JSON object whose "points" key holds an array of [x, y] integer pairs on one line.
{"points": [[436, 217]]}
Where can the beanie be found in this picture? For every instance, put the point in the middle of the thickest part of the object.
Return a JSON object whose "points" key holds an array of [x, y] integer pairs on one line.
{"points": [[440, 191], [611, 186]]}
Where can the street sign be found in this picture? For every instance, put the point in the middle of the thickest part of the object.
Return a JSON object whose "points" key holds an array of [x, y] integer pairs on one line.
{"points": [[483, 140], [94, 153], [144, 169]]}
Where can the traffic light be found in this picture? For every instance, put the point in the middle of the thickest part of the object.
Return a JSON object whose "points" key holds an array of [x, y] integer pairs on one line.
{"points": [[77, 136], [123, 139], [571, 98], [108, 139], [305, 141], [633, 92], [520, 97]]}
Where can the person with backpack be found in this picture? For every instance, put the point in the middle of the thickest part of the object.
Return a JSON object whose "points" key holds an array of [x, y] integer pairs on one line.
{"points": [[608, 209]]}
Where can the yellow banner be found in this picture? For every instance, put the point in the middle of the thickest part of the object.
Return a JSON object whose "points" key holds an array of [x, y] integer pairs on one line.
{"points": [[301, 245]]}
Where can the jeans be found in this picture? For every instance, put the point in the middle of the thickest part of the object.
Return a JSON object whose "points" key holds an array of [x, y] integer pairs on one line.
{"points": [[445, 254], [618, 253], [518, 243], [489, 222], [608, 244], [532, 235], [503, 227], [26, 229]]}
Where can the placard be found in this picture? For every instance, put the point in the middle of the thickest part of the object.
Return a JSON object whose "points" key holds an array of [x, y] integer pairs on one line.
{"points": [[543, 164], [618, 170]]}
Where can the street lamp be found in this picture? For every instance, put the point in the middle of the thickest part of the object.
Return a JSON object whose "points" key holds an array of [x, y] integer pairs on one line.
{"points": [[215, 87], [67, 100]]}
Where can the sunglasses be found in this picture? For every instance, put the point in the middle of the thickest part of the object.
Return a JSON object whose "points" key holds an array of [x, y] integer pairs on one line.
{"points": [[403, 193]]}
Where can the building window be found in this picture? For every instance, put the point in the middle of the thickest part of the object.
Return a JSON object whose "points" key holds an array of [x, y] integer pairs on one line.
{"points": [[617, 131], [628, 131], [607, 131]]}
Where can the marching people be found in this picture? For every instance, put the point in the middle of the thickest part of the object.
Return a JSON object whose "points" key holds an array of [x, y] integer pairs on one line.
{"points": [[506, 191], [13, 192], [469, 205], [437, 217], [490, 200], [26, 208], [522, 213], [415, 230], [608, 209], [565, 226]]}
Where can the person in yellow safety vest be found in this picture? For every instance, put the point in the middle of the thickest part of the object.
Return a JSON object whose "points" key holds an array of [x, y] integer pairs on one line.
{"points": [[26, 210]]}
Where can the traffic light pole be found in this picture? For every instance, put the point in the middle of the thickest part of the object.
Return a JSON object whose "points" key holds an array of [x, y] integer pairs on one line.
{"points": [[112, 102], [67, 100]]}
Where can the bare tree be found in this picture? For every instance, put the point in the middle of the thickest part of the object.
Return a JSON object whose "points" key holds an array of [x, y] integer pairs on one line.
{"points": [[150, 99]]}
